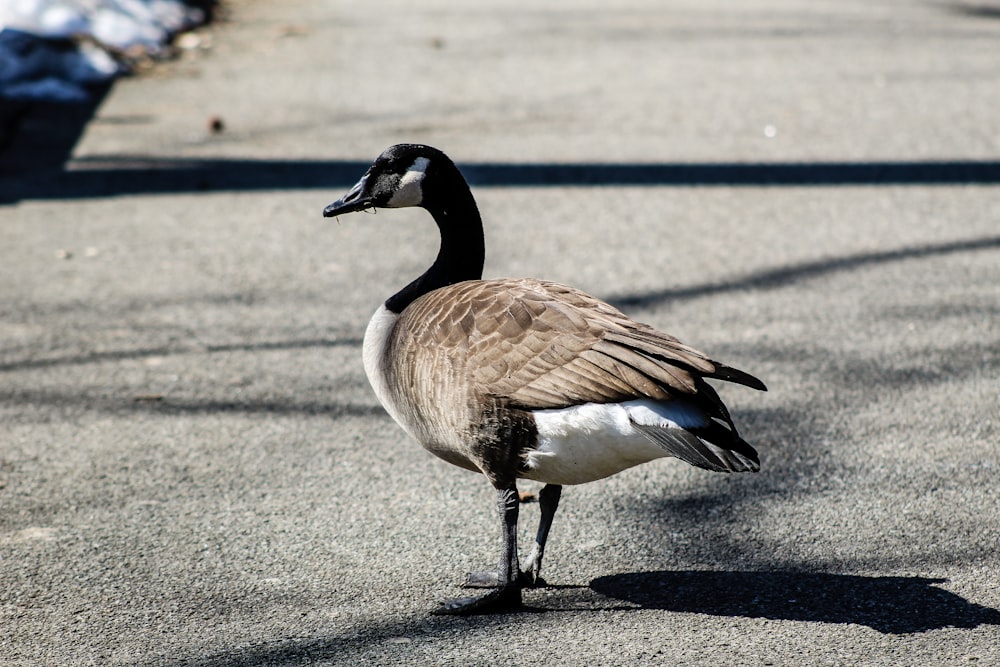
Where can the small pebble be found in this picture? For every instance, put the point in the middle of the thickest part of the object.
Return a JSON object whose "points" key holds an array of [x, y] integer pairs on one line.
{"points": [[292, 31]]}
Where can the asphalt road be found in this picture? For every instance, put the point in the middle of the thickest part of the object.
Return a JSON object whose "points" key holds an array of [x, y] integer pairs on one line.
{"points": [[193, 470]]}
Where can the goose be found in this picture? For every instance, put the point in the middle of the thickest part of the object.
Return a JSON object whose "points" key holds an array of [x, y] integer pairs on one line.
{"points": [[519, 378]]}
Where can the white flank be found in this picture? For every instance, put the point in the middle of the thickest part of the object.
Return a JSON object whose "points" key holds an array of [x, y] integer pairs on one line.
{"points": [[410, 191], [592, 441]]}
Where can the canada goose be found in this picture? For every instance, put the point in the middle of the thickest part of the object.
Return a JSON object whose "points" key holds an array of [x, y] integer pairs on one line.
{"points": [[523, 378]]}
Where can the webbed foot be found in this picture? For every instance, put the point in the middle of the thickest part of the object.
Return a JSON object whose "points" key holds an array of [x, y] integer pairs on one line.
{"points": [[506, 597], [531, 579]]}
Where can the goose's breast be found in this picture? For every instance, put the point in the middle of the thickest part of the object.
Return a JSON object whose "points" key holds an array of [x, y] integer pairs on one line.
{"points": [[412, 391], [374, 352]]}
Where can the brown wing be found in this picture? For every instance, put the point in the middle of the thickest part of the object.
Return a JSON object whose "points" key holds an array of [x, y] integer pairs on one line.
{"points": [[542, 345]]}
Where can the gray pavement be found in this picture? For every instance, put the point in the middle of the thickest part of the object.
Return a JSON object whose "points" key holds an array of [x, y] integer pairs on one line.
{"points": [[193, 470]]}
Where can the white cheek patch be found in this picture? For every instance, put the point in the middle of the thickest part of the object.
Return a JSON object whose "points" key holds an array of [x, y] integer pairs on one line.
{"points": [[410, 191]]}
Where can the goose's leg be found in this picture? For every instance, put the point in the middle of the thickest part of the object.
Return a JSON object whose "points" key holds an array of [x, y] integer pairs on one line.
{"points": [[548, 503], [505, 582]]}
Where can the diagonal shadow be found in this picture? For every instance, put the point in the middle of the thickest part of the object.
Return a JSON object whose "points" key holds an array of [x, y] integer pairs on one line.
{"points": [[786, 275], [890, 605], [976, 11], [128, 402], [162, 351], [127, 175]]}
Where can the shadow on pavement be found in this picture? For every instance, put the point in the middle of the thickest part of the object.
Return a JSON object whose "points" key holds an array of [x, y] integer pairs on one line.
{"points": [[128, 175], [890, 605], [787, 275], [37, 138], [163, 350]]}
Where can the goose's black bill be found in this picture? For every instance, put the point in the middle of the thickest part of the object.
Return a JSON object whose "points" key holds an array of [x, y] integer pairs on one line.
{"points": [[356, 199]]}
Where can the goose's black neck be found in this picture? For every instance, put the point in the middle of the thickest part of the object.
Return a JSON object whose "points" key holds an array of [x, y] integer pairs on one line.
{"points": [[450, 202]]}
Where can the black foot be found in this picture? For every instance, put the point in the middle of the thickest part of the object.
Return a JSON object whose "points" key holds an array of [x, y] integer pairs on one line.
{"points": [[499, 599], [529, 580]]}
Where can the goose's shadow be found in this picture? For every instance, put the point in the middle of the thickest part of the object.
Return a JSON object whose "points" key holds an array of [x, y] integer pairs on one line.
{"points": [[890, 605]]}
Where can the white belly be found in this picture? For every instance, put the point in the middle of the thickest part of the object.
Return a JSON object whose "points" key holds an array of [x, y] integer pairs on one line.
{"points": [[591, 441]]}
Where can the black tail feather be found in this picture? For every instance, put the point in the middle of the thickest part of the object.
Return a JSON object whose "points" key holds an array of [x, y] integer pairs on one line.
{"points": [[729, 374]]}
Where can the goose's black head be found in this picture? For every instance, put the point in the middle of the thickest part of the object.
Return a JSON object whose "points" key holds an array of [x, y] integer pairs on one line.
{"points": [[399, 177], [417, 175]]}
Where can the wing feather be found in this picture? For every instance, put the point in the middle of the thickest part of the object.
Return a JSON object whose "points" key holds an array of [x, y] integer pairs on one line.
{"points": [[542, 345]]}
